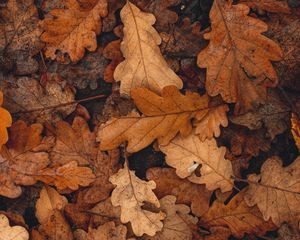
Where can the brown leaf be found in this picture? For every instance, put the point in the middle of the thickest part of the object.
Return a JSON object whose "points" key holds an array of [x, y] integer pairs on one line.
{"points": [[276, 6], [108, 231], [178, 223], [296, 129], [5, 122], [73, 29], [8, 233], [168, 183], [144, 65], [237, 217], [237, 53], [19, 37], [130, 194], [163, 118], [275, 191], [110, 21], [186, 154]]}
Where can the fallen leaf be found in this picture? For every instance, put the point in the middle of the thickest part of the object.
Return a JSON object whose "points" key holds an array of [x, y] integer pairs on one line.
{"points": [[236, 54], [275, 6], [23, 95], [163, 118], [144, 65], [237, 217], [19, 37], [73, 29], [5, 122], [168, 183], [186, 154], [275, 191], [107, 231], [110, 21], [130, 194], [178, 222], [287, 232], [296, 129], [7, 232]]}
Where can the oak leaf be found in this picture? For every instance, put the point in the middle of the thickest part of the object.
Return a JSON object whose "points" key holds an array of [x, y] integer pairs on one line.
{"points": [[7, 232], [5, 122], [186, 154], [108, 231], [275, 191], [236, 54], [144, 65], [178, 223], [296, 129], [73, 29], [186, 192], [275, 6], [163, 118], [237, 216], [130, 194]]}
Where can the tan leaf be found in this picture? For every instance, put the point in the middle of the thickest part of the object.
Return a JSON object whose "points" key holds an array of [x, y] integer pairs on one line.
{"points": [[5, 122], [186, 154], [237, 53], [178, 223], [168, 183], [276, 191], [144, 65], [19, 37], [296, 129], [130, 194], [236, 216], [163, 118], [8, 233], [73, 29], [276, 6], [108, 231]]}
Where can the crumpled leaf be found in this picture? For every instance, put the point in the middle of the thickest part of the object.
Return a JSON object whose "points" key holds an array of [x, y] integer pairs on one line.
{"points": [[130, 194], [296, 129], [108, 231], [110, 21], [274, 115], [5, 122], [237, 216], [178, 223], [163, 118], [186, 154], [144, 65], [19, 37], [168, 183], [275, 191], [8, 233], [237, 53], [275, 6], [73, 29], [22, 95]]}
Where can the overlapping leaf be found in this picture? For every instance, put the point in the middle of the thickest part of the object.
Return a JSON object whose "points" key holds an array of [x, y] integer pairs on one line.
{"points": [[278, 6], [5, 122], [7, 232]]}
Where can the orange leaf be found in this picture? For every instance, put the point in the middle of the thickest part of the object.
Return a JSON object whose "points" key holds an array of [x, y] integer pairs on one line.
{"points": [[5, 122]]}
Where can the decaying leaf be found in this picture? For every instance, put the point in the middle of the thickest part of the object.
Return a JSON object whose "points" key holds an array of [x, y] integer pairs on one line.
{"points": [[22, 95], [276, 6], [19, 37], [73, 29], [144, 65], [178, 223], [186, 192], [11, 233], [163, 118], [186, 154], [237, 216], [130, 194], [5, 122], [276, 191], [108, 231], [296, 129], [238, 56]]}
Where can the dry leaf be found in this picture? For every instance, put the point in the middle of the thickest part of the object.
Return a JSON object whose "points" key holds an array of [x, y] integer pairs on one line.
{"points": [[5, 122], [178, 223], [296, 129], [19, 37], [108, 231], [186, 154], [26, 94], [237, 53], [168, 183], [144, 65], [276, 6], [130, 194], [163, 118], [236, 216], [11, 233], [275, 191]]}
